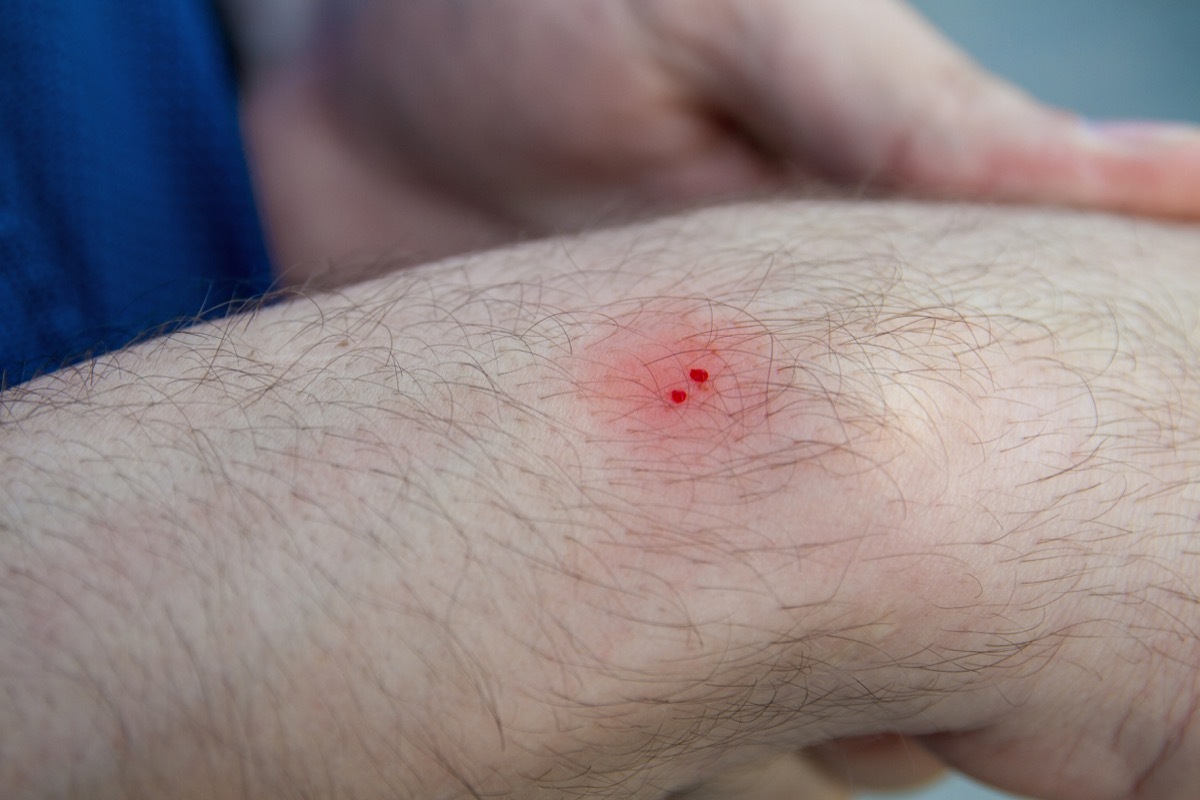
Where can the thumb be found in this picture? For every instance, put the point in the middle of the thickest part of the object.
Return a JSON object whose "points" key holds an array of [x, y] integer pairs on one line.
{"points": [[865, 91]]}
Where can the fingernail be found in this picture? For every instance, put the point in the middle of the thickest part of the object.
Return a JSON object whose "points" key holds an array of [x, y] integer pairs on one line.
{"points": [[1142, 133]]}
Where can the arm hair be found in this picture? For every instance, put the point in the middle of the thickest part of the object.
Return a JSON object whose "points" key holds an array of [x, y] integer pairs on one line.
{"points": [[398, 539]]}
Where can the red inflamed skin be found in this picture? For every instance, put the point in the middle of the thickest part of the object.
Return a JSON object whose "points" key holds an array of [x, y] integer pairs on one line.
{"points": [[690, 381], [737, 426], [700, 399]]}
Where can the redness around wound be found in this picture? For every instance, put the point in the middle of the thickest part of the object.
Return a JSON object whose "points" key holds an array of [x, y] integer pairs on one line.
{"points": [[682, 379]]}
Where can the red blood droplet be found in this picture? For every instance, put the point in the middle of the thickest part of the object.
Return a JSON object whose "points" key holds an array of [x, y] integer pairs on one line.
{"points": [[698, 375], [678, 396]]}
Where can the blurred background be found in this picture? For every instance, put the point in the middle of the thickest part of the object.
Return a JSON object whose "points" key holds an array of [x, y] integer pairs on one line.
{"points": [[1105, 58], [1102, 58]]}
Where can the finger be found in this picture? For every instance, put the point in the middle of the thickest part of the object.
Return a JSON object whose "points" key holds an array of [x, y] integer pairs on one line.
{"points": [[869, 93], [793, 776], [884, 762]]}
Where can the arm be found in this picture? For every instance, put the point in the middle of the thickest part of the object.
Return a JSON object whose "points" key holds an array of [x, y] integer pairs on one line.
{"points": [[455, 531]]}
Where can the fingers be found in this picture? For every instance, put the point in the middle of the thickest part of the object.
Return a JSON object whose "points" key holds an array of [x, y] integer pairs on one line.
{"points": [[787, 777], [886, 762], [867, 92], [1145, 169]]}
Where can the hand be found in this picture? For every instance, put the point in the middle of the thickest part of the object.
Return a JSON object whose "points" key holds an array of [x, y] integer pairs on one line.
{"points": [[434, 127]]}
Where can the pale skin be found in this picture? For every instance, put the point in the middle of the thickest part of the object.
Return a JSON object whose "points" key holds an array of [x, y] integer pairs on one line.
{"points": [[423, 129], [219, 589], [413, 540]]}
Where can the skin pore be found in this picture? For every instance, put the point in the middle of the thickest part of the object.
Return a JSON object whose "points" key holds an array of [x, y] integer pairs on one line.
{"points": [[448, 534]]}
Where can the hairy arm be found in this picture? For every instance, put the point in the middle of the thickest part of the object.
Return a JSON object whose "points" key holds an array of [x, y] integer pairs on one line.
{"points": [[605, 515]]}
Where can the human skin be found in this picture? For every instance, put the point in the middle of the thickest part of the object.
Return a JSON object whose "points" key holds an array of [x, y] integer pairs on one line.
{"points": [[443, 534], [424, 128]]}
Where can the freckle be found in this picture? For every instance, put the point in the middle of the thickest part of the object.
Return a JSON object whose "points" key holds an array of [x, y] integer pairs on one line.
{"points": [[698, 375], [678, 396], [344, 343]]}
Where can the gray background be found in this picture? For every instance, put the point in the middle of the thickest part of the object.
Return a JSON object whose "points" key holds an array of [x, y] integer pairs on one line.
{"points": [[1103, 58]]}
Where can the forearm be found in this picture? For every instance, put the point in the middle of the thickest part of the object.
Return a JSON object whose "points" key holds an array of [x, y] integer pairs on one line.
{"points": [[464, 529]]}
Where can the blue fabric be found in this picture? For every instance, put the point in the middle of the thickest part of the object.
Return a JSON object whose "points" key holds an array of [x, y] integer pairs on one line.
{"points": [[125, 201]]}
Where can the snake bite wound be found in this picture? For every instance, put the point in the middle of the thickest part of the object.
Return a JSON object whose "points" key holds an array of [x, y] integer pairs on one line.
{"points": [[682, 378]]}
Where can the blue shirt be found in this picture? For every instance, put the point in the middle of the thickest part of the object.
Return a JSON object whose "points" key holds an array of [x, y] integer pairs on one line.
{"points": [[125, 200]]}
